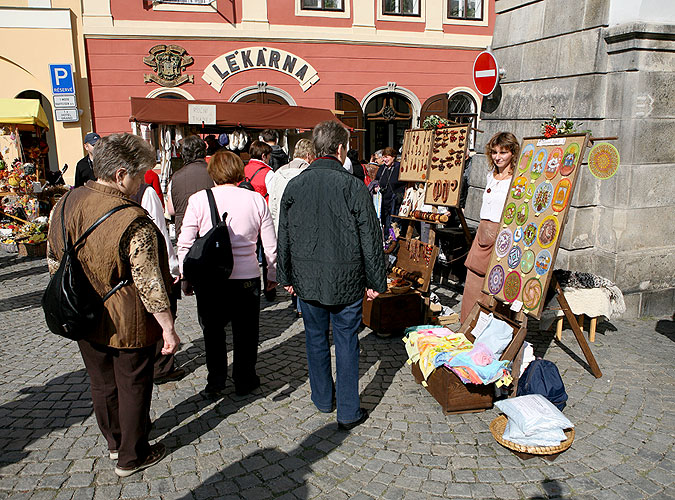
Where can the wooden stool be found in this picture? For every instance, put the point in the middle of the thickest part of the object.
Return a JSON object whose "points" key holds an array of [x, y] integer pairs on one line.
{"points": [[580, 322]]}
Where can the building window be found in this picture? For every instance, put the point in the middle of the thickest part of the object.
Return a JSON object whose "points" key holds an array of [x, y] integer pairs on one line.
{"points": [[462, 109], [401, 7], [465, 9], [323, 5]]}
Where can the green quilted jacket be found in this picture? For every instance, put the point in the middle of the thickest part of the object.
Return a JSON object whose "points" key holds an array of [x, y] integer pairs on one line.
{"points": [[330, 241]]}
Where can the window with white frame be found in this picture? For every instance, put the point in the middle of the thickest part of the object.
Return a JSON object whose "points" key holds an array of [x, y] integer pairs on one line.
{"points": [[401, 7], [337, 5], [465, 9]]}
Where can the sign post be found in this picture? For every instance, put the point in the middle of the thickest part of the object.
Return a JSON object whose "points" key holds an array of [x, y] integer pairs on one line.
{"points": [[485, 73], [63, 93]]}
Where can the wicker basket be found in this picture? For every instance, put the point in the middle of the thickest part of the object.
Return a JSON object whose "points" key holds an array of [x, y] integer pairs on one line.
{"points": [[33, 249], [9, 247], [497, 427]]}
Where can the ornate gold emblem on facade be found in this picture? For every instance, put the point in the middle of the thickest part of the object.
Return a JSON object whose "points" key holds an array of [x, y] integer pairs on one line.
{"points": [[168, 61]]}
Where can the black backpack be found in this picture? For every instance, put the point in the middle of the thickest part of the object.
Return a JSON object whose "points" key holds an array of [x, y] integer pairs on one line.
{"points": [[246, 183], [71, 305], [210, 257], [542, 377]]}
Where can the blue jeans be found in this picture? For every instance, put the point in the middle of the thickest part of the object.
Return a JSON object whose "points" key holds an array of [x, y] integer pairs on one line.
{"points": [[346, 320]]}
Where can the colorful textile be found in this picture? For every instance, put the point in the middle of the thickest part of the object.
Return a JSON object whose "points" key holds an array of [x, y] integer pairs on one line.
{"points": [[432, 350], [471, 373]]}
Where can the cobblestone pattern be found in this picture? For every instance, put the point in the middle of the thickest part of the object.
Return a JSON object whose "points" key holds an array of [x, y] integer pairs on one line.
{"points": [[274, 444]]}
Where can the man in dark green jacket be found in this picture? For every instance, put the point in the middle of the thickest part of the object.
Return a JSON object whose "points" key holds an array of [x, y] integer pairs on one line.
{"points": [[329, 252]]}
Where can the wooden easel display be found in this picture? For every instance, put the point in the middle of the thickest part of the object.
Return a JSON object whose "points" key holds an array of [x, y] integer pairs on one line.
{"points": [[533, 220], [432, 162]]}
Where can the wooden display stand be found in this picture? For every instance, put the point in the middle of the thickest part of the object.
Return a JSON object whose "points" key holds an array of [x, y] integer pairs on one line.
{"points": [[451, 393], [391, 312]]}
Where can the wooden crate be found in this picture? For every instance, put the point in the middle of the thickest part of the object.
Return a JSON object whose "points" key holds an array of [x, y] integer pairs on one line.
{"points": [[451, 393], [32, 249], [390, 313]]}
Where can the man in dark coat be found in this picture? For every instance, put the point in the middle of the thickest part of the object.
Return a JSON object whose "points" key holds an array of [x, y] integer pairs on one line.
{"points": [[84, 170], [278, 157], [329, 252]]}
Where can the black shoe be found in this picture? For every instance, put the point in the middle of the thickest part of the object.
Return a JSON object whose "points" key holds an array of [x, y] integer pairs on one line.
{"points": [[212, 392], [243, 390], [157, 452], [173, 376], [351, 425], [298, 314], [270, 295]]}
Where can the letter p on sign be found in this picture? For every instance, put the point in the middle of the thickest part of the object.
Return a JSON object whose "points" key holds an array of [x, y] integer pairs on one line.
{"points": [[62, 79]]}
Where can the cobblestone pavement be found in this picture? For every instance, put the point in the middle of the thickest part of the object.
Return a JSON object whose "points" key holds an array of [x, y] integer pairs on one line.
{"points": [[274, 444]]}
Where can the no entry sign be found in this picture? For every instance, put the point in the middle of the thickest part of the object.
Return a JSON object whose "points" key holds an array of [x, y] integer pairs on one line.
{"points": [[485, 73]]}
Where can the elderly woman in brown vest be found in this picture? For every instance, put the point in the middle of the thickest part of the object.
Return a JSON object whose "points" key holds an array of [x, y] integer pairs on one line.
{"points": [[119, 354]]}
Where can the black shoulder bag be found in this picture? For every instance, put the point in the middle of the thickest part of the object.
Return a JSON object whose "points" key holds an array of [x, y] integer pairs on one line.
{"points": [[210, 257], [71, 305]]}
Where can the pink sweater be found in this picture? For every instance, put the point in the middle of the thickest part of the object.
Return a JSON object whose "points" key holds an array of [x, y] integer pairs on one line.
{"points": [[247, 216]]}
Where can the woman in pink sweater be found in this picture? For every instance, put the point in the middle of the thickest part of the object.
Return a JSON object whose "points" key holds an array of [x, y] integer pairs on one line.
{"points": [[238, 299]]}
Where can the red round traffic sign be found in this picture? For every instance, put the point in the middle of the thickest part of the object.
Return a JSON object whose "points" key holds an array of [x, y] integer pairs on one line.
{"points": [[485, 73]]}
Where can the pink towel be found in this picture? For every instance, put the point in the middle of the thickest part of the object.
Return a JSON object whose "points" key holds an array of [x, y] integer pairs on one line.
{"points": [[481, 354]]}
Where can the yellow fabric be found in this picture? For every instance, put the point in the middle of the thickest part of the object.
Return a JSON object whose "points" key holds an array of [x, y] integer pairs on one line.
{"points": [[23, 112]]}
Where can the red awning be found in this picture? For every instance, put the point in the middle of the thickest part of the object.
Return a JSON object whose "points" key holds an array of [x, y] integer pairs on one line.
{"points": [[230, 114]]}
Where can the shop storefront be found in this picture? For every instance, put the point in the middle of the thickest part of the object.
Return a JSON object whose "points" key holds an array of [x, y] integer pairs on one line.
{"points": [[380, 72], [35, 43]]}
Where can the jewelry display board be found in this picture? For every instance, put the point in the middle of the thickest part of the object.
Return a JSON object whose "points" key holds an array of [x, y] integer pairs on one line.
{"points": [[415, 155], [447, 165], [533, 219]]}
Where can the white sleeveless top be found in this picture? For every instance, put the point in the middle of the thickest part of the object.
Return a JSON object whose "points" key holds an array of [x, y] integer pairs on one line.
{"points": [[494, 197]]}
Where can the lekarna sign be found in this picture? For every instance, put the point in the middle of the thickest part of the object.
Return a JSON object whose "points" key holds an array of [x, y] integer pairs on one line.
{"points": [[485, 73], [62, 79]]}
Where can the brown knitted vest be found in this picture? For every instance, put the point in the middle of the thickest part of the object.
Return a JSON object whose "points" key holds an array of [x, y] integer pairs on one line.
{"points": [[187, 181], [125, 324]]}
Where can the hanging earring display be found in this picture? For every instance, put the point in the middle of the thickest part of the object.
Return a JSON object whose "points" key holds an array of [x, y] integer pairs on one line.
{"points": [[446, 166]]}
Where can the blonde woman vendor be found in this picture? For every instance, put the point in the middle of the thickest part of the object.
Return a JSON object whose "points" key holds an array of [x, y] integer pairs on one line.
{"points": [[502, 152]]}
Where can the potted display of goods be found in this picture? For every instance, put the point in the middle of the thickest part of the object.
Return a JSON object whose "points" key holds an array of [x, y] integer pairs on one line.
{"points": [[18, 178], [31, 239], [7, 242]]}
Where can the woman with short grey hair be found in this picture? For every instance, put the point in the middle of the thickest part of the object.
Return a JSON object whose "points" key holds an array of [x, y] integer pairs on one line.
{"points": [[125, 248]]}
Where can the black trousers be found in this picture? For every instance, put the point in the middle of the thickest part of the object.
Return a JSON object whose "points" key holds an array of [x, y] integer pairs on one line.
{"points": [[121, 391], [236, 301]]}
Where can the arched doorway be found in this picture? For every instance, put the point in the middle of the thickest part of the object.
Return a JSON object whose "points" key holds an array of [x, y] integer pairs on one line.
{"points": [[263, 94], [52, 162], [387, 117]]}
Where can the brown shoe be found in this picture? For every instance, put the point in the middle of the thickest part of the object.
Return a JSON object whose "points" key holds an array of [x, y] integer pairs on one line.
{"points": [[157, 452]]}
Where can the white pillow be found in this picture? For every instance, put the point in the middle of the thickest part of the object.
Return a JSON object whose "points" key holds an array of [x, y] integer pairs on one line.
{"points": [[533, 413]]}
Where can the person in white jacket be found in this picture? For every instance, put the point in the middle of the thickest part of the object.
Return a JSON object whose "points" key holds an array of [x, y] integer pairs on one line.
{"points": [[147, 197], [302, 157]]}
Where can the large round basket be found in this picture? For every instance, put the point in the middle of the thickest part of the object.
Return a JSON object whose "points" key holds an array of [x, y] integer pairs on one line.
{"points": [[498, 425]]}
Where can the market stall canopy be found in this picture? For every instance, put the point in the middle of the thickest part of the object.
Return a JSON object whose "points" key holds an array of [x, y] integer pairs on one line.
{"points": [[23, 112], [230, 114]]}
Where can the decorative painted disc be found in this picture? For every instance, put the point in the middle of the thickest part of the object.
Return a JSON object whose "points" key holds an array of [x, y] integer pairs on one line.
{"points": [[538, 164], [554, 161], [561, 195], [529, 192], [496, 279], [548, 232], [514, 257], [519, 187], [532, 292], [517, 234], [603, 160], [570, 158], [527, 261], [509, 213], [503, 243], [542, 197], [530, 234], [543, 262], [522, 213], [526, 158], [512, 286]]}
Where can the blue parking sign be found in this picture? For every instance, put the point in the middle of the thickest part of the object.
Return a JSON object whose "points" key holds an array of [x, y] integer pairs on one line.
{"points": [[62, 79]]}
